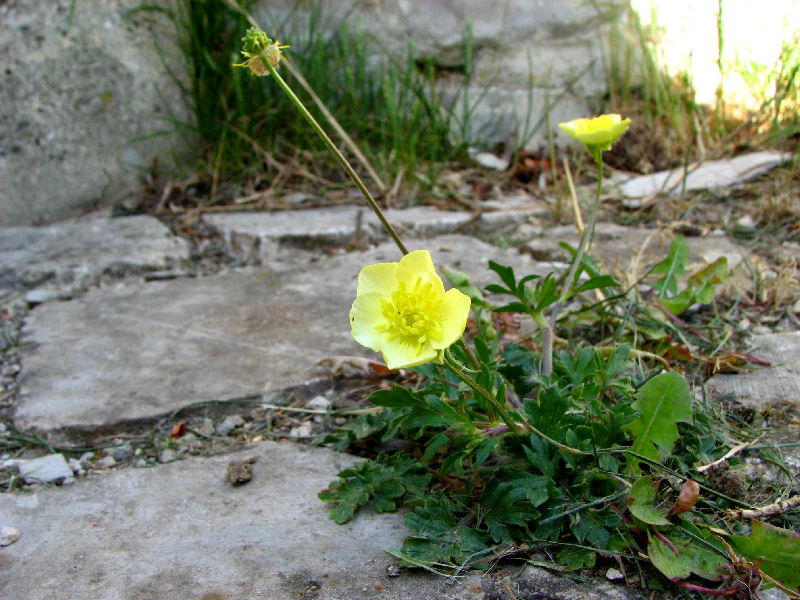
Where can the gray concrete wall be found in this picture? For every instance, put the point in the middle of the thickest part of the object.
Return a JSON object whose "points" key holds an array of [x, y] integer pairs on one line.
{"points": [[79, 87], [76, 88], [528, 54]]}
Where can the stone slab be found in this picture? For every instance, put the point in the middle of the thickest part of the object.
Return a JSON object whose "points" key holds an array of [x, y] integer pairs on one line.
{"points": [[618, 245], [77, 254], [138, 351], [259, 236], [711, 174], [181, 531], [764, 387]]}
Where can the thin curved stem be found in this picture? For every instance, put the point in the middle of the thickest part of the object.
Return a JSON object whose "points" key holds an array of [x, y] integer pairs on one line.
{"points": [[454, 366], [339, 157], [512, 426], [583, 247]]}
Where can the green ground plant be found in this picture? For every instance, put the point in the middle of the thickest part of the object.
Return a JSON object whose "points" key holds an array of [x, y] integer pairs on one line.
{"points": [[514, 449]]}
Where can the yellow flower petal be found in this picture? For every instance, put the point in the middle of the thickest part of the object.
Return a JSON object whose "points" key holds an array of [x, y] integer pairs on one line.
{"points": [[600, 131], [366, 311], [454, 313], [399, 355], [377, 278]]}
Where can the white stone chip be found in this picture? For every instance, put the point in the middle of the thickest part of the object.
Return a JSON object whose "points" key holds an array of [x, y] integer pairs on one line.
{"points": [[8, 535], [52, 468]]}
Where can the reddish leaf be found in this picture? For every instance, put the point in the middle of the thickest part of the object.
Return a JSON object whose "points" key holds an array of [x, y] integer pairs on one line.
{"points": [[690, 492], [678, 351], [378, 367], [178, 430]]}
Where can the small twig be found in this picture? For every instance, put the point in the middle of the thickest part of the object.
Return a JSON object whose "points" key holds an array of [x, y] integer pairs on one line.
{"points": [[728, 591], [731, 452], [576, 209], [770, 510], [777, 584]]}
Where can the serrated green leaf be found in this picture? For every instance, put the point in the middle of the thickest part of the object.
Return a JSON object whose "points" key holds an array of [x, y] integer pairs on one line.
{"points": [[778, 551], [586, 529], [576, 558], [505, 273], [515, 307], [438, 441], [662, 402], [350, 494], [396, 397], [485, 449]]}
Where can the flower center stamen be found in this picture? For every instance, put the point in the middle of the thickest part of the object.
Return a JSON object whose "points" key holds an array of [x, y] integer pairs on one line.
{"points": [[411, 315]]}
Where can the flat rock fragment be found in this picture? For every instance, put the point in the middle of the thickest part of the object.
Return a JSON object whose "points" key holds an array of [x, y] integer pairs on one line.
{"points": [[765, 387], [707, 175]]}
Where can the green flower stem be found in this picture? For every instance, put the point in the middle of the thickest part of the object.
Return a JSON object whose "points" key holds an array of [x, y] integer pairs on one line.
{"points": [[454, 366], [339, 157], [513, 427], [583, 246]]}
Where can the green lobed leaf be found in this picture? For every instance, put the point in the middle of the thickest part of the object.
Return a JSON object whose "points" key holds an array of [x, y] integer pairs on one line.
{"points": [[506, 274], [349, 494], [692, 556], [706, 278], [777, 549], [662, 402], [576, 558], [641, 502], [672, 267]]}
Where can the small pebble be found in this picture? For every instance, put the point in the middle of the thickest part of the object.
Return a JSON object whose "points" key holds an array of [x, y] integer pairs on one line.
{"points": [[8, 535], [140, 463], [319, 403], [204, 428], [228, 424], [491, 161], [86, 458], [167, 455], [106, 462], [76, 466], [41, 296], [301, 431], [745, 224], [119, 453], [614, 574], [240, 471]]}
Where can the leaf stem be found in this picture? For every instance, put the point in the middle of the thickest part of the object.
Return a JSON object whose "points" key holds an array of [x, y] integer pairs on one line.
{"points": [[454, 366]]}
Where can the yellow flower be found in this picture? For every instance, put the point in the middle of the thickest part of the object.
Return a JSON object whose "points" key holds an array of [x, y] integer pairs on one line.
{"points": [[599, 132], [402, 311]]}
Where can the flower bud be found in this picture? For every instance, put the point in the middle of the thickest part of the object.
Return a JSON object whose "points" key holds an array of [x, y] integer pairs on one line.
{"points": [[260, 51]]}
